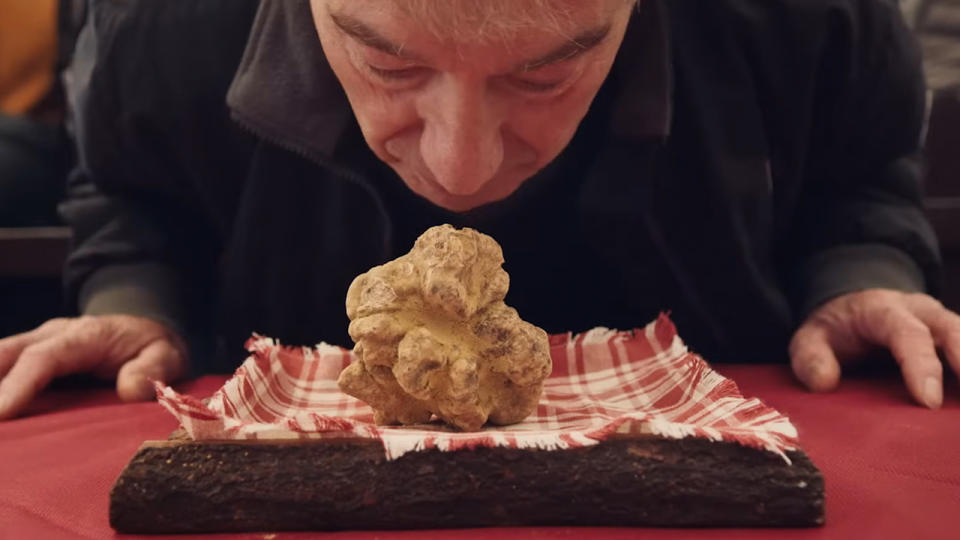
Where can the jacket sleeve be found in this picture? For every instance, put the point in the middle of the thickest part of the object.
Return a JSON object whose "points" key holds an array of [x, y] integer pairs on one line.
{"points": [[143, 242], [860, 223]]}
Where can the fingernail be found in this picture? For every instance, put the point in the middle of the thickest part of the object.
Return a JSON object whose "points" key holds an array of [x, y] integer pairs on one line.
{"points": [[815, 370], [815, 374], [933, 392]]}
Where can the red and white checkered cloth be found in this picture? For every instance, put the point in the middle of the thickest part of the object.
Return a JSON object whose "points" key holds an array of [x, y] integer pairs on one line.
{"points": [[603, 382]]}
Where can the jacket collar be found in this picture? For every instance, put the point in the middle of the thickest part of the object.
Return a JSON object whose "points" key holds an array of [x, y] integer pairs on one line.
{"points": [[285, 90]]}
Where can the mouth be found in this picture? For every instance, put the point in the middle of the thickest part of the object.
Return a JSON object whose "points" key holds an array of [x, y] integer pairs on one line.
{"points": [[422, 182]]}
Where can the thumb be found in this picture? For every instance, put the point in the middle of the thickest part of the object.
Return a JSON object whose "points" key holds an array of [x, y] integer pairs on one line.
{"points": [[160, 360], [813, 360]]}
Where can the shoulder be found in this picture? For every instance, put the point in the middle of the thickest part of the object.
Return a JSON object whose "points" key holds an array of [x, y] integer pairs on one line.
{"points": [[793, 11], [171, 21], [149, 78], [790, 24], [789, 45], [148, 46]]}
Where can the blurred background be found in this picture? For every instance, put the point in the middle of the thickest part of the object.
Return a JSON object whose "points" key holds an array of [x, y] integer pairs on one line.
{"points": [[937, 25], [36, 38]]}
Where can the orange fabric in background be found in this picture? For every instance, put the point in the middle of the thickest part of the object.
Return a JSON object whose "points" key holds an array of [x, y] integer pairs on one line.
{"points": [[28, 53]]}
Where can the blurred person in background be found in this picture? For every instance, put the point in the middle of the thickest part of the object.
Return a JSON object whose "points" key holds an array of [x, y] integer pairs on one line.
{"points": [[34, 148]]}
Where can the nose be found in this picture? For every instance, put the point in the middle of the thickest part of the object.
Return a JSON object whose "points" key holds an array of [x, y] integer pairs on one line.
{"points": [[461, 143]]}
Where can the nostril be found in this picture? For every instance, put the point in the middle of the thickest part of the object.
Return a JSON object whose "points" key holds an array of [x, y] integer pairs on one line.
{"points": [[462, 163]]}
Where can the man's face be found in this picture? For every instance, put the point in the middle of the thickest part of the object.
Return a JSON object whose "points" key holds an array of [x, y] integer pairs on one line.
{"points": [[465, 121]]}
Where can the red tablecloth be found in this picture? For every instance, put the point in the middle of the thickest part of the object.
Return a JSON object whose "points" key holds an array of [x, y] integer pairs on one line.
{"points": [[892, 469]]}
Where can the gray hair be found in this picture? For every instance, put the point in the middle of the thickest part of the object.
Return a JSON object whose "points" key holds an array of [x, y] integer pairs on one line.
{"points": [[493, 19]]}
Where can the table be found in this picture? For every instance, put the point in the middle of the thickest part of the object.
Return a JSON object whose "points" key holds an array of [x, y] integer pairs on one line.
{"points": [[892, 469]]}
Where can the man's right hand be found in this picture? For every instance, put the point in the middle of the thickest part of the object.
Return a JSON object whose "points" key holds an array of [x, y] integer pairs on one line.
{"points": [[131, 349]]}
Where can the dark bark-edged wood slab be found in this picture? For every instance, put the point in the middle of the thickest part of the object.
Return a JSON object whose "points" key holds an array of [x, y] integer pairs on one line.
{"points": [[180, 486]]}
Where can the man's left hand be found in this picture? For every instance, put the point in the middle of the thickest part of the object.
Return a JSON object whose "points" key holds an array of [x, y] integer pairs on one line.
{"points": [[911, 325]]}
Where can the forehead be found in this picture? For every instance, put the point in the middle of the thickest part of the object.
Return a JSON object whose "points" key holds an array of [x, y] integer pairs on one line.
{"points": [[483, 21]]}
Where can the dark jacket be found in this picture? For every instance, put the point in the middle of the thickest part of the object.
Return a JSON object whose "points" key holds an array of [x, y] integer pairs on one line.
{"points": [[745, 161]]}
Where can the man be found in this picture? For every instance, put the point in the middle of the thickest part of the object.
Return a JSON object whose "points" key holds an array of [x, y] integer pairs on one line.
{"points": [[751, 166]]}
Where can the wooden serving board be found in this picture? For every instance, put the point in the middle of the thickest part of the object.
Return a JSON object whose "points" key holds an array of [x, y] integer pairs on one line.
{"points": [[181, 486]]}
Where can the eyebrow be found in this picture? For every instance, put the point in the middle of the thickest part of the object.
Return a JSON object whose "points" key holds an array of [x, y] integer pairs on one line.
{"points": [[573, 48], [577, 46], [368, 36]]}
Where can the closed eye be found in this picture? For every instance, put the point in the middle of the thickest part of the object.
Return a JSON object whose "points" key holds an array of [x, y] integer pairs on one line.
{"points": [[397, 74], [535, 86]]}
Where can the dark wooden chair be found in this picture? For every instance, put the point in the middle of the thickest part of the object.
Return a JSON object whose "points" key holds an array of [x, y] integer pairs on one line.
{"points": [[943, 187], [932, 15], [33, 251], [31, 263]]}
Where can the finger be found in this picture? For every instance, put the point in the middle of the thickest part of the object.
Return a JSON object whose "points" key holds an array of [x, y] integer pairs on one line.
{"points": [[38, 364], [912, 345], [160, 360], [813, 360], [945, 327], [11, 347]]}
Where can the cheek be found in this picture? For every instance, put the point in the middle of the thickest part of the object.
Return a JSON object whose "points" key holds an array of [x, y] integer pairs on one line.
{"points": [[548, 127], [381, 115], [391, 129]]}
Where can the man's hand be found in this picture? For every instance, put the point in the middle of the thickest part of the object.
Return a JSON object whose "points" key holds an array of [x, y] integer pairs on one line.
{"points": [[846, 328], [132, 349]]}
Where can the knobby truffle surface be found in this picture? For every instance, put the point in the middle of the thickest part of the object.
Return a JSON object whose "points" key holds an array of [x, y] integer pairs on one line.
{"points": [[434, 337]]}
